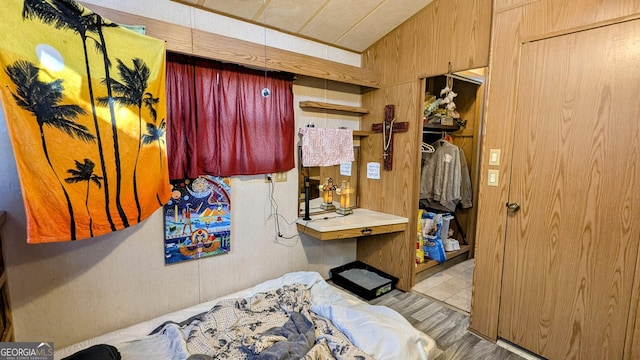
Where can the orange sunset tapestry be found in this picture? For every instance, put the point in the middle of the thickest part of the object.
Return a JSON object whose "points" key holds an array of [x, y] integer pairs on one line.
{"points": [[84, 102]]}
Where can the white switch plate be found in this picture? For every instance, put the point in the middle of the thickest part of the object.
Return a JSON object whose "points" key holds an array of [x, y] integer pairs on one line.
{"points": [[494, 156], [492, 179]]}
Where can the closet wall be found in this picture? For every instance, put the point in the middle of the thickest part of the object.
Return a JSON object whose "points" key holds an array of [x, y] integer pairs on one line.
{"points": [[446, 32], [517, 22], [468, 102]]}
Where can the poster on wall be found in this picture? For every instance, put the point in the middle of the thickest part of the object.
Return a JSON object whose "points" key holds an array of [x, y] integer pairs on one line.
{"points": [[197, 219]]}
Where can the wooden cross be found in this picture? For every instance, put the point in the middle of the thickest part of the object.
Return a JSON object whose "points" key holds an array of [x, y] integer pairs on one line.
{"points": [[388, 128]]}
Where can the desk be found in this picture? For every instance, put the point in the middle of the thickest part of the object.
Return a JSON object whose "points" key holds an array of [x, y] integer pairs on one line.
{"points": [[363, 222]]}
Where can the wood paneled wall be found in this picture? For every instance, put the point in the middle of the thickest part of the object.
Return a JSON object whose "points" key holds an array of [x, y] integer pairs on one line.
{"points": [[446, 31], [213, 46], [453, 31], [515, 22]]}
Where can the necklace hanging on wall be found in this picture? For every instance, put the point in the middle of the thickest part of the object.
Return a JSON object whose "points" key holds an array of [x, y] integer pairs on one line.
{"points": [[266, 92]]}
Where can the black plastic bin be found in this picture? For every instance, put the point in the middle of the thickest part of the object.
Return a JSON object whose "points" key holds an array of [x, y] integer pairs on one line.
{"points": [[383, 281]]}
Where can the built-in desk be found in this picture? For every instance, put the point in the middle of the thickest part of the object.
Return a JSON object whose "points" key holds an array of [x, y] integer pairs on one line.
{"points": [[363, 222]]}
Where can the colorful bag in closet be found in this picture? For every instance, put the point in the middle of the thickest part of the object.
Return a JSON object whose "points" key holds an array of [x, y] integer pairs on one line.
{"points": [[431, 229]]}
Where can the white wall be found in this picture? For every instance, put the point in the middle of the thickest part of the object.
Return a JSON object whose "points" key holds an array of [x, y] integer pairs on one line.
{"points": [[67, 292]]}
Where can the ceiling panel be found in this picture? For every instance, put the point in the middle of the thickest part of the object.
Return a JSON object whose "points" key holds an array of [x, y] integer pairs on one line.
{"points": [[348, 24], [337, 18], [290, 15], [242, 9], [380, 22]]}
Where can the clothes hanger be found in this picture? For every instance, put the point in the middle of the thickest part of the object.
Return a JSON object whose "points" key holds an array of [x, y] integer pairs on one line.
{"points": [[427, 148]]}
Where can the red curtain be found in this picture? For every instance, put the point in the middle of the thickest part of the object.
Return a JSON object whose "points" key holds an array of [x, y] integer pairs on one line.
{"points": [[220, 124]]}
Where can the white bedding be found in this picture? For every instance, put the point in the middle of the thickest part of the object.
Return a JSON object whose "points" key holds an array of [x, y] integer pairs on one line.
{"points": [[377, 330]]}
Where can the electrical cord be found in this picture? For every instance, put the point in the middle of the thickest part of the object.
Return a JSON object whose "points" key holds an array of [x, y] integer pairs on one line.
{"points": [[276, 215]]}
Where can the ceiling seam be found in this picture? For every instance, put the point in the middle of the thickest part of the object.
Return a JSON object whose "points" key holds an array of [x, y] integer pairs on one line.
{"points": [[314, 15], [359, 21], [262, 9]]}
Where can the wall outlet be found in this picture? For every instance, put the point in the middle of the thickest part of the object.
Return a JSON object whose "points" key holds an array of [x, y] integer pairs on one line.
{"points": [[281, 177], [277, 177]]}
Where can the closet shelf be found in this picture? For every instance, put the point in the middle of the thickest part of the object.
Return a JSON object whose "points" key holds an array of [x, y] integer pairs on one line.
{"points": [[450, 255], [335, 107], [438, 127]]}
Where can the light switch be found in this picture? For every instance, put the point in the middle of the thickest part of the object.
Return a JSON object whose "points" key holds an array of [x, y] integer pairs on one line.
{"points": [[494, 156], [493, 178]]}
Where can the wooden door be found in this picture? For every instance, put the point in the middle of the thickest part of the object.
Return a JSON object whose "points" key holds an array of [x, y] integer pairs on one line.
{"points": [[571, 249]]}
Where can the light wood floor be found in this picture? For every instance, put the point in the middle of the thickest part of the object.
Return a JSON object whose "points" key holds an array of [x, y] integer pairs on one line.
{"points": [[447, 326]]}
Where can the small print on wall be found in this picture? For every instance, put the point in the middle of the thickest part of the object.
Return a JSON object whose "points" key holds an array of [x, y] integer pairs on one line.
{"points": [[197, 219]]}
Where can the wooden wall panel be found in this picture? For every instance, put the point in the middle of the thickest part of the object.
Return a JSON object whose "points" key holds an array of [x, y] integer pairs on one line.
{"points": [[423, 45], [456, 31], [533, 20], [396, 191], [434, 42], [470, 36]]}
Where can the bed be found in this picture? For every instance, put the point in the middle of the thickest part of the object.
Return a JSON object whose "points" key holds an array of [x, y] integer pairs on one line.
{"points": [[293, 311]]}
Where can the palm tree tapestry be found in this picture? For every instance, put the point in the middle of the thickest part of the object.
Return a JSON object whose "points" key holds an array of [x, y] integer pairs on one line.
{"points": [[84, 101]]}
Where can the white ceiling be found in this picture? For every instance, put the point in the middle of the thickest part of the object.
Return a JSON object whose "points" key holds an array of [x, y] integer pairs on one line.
{"points": [[349, 24]]}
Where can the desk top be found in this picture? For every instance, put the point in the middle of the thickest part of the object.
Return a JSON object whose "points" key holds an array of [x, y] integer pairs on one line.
{"points": [[360, 218]]}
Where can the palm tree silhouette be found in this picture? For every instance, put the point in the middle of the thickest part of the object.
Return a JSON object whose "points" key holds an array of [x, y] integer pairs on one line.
{"points": [[84, 172], [131, 92], [100, 23], [69, 15], [156, 133], [42, 100]]}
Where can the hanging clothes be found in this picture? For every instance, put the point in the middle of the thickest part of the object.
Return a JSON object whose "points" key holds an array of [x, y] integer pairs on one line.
{"points": [[445, 180]]}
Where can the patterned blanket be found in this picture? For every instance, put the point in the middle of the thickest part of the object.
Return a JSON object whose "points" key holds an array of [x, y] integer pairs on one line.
{"points": [[276, 324]]}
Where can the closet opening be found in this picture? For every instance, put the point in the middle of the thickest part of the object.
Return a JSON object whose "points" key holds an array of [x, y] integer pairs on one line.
{"points": [[450, 153]]}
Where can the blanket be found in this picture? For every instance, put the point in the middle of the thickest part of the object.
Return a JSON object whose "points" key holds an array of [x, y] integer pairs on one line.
{"points": [[276, 324], [84, 101]]}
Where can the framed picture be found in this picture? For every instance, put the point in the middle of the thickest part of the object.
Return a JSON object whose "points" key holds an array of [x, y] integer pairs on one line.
{"points": [[197, 219]]}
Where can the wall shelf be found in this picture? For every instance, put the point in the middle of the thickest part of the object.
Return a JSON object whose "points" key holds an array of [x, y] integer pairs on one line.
{"points": [[316, 105], [361, 133]]}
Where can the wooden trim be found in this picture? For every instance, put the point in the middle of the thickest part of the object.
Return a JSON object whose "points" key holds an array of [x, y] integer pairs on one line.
{"points": [[336, 107], [351, 233], [226, 49], [500, 8], [450, 255], [246, 53], [580, 28]]}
